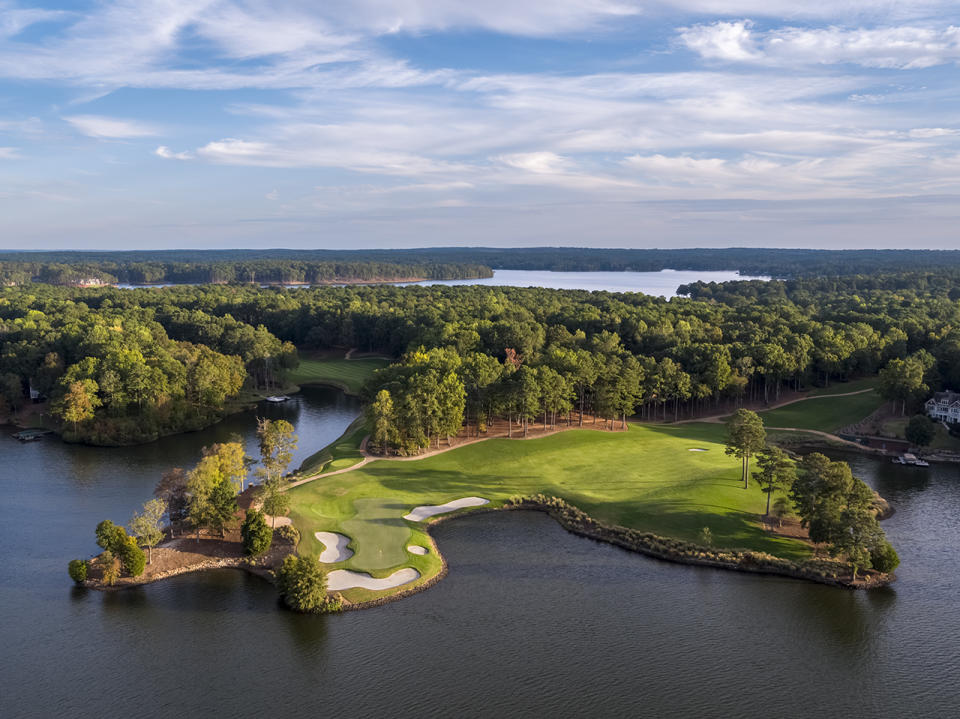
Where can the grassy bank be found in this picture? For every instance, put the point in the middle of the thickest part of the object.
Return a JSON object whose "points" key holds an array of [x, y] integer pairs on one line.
{"points": [[342, 453], [827, 411], [349, 375], [646, 479]]}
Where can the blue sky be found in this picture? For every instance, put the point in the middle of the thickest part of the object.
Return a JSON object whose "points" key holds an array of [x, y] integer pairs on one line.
{"points": [[398, 123]]}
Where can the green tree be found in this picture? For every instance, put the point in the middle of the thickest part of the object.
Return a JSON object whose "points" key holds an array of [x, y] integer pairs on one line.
{"points": [[78, 404], [172, 491], [223, 506], [201, 482], [901, 380], [782, 507], [884, 557], [276, 502], [145, 526], [383, 420], [78, 570], [303, 585], [132, 557], [255, 533], [110, 537], [777, 472], [277, 442], [108, 568], [920, 430], [745, 437]]}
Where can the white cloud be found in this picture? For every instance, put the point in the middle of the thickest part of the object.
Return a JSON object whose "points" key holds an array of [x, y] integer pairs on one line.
{"points": [[904, 48], [168, 154], [9, 153], [539, 163], [110, 127]]}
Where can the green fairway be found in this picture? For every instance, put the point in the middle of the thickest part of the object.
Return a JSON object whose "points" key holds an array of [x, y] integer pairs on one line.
{"points": [[348, 375], [824, 412], [344, 452], [646, 478], [854, 385]]}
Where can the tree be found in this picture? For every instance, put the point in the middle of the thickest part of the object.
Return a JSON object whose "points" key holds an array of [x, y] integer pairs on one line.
{"points": [[745, 437], [277, 442], [223, 505], [777, 472], [276, 502], [901, 379], [255, 533], [145, 526], [78, 570], [884, 557], [200, 485], [382, 419], [110, 537], [920, 430], [303, 585], [132, 557], [781, 508], [108, 568], [172, 491], [79, 403]]}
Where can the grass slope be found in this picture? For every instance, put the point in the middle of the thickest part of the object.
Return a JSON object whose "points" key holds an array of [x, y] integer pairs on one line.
{"points": [[348, 375], [824, 412], [340, 454], [645, 478]]}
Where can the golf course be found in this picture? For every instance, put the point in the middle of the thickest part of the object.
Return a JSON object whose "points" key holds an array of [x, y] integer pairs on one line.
{"points": [[652, 478]]}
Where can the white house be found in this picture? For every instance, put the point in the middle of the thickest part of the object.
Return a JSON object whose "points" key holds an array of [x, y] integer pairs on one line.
{"points": [[944, 406]]}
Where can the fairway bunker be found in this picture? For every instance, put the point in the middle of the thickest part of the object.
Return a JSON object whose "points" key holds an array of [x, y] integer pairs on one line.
{"points": [[417, 549], [697, 449], [423, 512], [334, 547], [341, 579]]}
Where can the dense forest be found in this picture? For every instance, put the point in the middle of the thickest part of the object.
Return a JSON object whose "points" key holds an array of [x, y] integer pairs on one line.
{"points": [[472, 353], [326, 266], [85, 271]]}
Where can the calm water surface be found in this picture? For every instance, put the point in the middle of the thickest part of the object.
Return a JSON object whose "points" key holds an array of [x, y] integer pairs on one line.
{"points": [[663, 283], [531, 621]]}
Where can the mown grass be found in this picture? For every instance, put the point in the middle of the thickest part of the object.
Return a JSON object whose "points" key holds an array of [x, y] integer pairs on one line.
{"points": [[348, 375], [342, 453], [645, 478], [824, 412], [942, 440]]}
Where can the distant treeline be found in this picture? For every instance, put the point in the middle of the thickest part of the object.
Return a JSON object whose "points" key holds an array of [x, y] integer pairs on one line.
{"points": [[318, 266], [78, 269]]}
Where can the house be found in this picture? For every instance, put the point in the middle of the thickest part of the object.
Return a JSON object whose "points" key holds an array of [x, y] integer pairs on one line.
{"points": [[944, 406]]}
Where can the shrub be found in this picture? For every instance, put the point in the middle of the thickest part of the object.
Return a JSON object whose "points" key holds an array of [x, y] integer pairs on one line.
{"points": [[78, 570], [108, 566], [884, 557], [256, 535], [289, 533], [304, 586], [133, 558]]}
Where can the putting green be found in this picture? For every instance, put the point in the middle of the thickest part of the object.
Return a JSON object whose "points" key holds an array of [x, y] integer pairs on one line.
{"points": [[379, 533]]}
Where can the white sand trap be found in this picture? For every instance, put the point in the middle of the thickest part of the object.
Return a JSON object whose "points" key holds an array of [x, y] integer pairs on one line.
{"points": [[696, 449], [420, 513], [340, 579], [417, 549], [334, 547]]}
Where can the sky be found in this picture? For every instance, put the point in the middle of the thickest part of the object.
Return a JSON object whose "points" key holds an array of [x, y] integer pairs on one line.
{"points": [[141, 124]]}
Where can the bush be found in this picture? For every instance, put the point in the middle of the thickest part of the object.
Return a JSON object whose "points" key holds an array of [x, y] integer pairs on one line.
{"points": [[884, 557], [108, 565], [133, 558], [289, 533], [256, 535], [78, 570], [304, 586]]}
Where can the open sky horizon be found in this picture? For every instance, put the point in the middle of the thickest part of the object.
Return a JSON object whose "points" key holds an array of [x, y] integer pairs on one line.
{"points": [[170, 124]]}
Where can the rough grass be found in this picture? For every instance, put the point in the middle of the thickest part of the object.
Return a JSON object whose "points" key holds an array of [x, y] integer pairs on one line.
{"points": [[854, 385], [348, 375], [942, 440], [645, 478], [824, 412]]}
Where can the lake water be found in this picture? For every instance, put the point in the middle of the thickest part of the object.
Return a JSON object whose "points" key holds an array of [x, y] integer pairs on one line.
{"points": [[663, 283], [531, 621]]}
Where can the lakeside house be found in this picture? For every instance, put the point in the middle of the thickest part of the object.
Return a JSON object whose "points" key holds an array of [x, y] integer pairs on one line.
{"points": [[944, 406]]}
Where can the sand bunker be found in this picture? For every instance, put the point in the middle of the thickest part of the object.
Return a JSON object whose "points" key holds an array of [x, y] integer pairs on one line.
{"points": [[340, 579], [417, 549], [696, 449], [335, 547], [420, 513]]}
